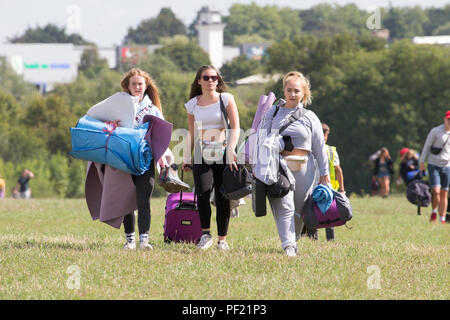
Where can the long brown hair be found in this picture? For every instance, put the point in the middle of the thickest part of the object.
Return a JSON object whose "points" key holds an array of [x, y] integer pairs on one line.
{"points": [[151, 91], [196, 89]]}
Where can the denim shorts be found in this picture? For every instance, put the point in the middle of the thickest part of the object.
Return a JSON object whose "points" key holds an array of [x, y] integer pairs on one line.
{"points": [[439, 176], [382, 174]]}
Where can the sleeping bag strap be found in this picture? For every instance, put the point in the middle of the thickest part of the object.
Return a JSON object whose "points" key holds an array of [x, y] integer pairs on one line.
{"points": [[110, 127]]}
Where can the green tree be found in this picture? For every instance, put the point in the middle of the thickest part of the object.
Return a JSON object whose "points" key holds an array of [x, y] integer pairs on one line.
{"points": [[175, 88], [442, 30], [90, 58], [437, 17], [405, 22], [59, 173], [49, 34], [76, 177], [151, 30], [13, 83], [239, 67], [157, 64], [188, 56], [325, 19], [90, 87], [51, 118], [269, 22]]}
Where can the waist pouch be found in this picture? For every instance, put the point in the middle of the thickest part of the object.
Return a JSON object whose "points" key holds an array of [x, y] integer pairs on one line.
{"points": [[295, 163], [435, 150], [213, 151]]}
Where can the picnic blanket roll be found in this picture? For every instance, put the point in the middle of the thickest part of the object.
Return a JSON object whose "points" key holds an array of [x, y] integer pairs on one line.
{"points": [[125, 149]]}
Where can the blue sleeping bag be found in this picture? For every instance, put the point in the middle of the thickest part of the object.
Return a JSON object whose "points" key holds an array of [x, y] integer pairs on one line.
{"points": [[122, 148]]}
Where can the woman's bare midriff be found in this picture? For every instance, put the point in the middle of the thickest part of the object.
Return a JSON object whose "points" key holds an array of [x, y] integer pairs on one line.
{"points": [[214, 135], [295, 152]]}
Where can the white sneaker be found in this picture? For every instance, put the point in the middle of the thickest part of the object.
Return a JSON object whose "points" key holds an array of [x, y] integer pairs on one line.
{"points": [[223, 245], [144, 245], [291, 251], [205, 242], [129, 246]]}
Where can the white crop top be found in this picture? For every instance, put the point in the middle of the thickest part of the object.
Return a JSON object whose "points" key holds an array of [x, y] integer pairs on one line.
{"points": [[209, 116]]}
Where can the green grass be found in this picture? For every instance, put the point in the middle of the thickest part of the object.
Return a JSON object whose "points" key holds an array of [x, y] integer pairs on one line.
{"points": [[41, 238]]}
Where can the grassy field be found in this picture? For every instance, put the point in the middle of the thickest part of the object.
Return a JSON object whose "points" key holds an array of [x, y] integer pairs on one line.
{"points": [[51, 249]]}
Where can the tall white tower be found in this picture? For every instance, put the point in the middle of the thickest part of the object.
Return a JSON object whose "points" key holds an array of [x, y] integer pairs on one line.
{"points": [[210, 34]]}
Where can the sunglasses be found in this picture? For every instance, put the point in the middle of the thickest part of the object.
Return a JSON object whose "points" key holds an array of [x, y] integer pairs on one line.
{"points": [[213, 78]]}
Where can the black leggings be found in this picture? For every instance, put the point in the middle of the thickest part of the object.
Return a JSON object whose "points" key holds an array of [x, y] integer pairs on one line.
{"points": [[144, 188], [205, 176]]}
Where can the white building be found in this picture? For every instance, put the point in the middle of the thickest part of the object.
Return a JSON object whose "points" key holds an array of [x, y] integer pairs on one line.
{"points": [[210, 34], [45, 64], [442, 40], [42, 64]]}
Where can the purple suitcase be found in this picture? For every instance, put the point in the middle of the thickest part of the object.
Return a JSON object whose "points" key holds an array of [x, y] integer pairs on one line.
{"points": [[182, 221]]}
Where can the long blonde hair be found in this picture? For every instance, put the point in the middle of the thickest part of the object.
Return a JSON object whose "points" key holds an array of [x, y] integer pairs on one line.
{"points": [[151, 91], [307, 97]]}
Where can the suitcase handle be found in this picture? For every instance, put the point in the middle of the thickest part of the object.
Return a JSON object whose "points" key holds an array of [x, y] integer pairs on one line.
{"points": [[186, 206], [194, 205]]}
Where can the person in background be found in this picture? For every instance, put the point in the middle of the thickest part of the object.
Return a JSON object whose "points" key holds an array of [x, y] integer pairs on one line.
{"points": [[213, 150], [23, 186], [336, 174], [2, 187], [409, 162], [436, 151], [383, 170]]}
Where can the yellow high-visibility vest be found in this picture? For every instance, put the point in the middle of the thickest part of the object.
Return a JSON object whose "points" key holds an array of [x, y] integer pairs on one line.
{"points": [[331, 151]]}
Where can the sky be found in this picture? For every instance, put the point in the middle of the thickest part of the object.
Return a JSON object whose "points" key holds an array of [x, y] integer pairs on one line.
{"points": [[105, 22]]}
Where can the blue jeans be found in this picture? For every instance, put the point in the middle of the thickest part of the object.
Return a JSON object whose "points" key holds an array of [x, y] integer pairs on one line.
{"points": [[439, 176]]}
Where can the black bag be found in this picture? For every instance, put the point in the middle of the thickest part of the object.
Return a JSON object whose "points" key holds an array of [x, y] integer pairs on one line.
{"points": [[435, 150], [236, 184], [280, 188], [259, 198], [418, 193]]}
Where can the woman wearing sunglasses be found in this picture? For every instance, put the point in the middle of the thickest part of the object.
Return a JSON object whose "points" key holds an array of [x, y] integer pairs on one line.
{"points": [[214, 148]]}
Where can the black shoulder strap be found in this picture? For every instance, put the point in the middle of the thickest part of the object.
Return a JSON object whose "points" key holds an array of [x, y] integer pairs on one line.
{"points": [[224, 112], [297, 114], [448, 136], [277, 107]]}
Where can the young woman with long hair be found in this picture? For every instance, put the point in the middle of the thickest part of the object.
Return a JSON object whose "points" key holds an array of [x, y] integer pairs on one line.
{"points": [[214, 148]]}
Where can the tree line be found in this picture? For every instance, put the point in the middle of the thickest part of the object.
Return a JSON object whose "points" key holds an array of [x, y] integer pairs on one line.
{"points": [[372, 93], [253, 23]]}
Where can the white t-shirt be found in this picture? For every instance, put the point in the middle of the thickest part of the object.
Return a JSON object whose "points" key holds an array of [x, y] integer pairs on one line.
{"points": [[209, 116]]}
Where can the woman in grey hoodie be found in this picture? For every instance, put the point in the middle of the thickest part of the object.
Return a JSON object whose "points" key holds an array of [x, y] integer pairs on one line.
{"points": [[301, 142]]}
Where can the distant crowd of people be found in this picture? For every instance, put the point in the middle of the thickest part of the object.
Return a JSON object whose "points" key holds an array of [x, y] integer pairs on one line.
{"points": [[435, 152]]}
